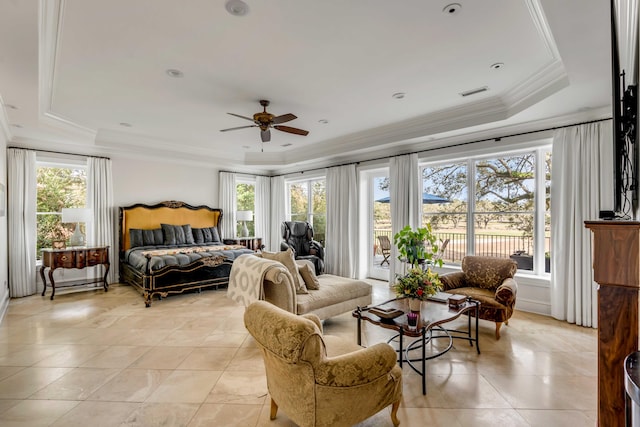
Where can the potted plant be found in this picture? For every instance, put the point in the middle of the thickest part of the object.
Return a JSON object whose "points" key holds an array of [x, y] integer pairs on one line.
{"points": [[417, 285], [417, 246]]}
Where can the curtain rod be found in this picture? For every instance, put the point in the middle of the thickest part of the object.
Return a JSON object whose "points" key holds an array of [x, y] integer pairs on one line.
{"points": [[495, 138], [59, 152]]}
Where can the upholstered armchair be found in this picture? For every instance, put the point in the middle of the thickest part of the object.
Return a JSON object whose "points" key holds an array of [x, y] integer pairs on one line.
{"points": [[490, 281], [320, 380], [298, 235]]}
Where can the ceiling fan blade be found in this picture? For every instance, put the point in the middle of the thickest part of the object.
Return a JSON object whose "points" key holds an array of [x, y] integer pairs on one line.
{"points": [[265, 135], [292, 130], [239, 127], [242, 117], [284, 118]]}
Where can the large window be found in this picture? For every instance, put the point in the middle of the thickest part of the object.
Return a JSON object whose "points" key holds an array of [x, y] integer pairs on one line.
{"points": [[308, 202], [58, 186], [492, 206]]}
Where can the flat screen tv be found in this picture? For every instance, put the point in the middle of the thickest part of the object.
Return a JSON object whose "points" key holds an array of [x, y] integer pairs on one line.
{"points": [[624, 106]]}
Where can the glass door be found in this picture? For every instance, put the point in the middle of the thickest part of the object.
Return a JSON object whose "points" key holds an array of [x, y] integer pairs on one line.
{"points": [[380, 225]]}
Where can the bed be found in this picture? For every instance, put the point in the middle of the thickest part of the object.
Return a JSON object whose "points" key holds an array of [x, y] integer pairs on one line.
{"points": [[173, 247]]}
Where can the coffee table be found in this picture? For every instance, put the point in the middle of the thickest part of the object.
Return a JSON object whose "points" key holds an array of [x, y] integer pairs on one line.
{"points": [[433, 315]]}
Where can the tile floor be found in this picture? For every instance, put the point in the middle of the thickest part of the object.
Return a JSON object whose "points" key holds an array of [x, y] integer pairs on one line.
{"points": [[95, 359]]}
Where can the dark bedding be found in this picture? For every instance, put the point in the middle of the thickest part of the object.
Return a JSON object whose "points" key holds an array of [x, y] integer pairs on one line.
{"points": [[152, 258]]}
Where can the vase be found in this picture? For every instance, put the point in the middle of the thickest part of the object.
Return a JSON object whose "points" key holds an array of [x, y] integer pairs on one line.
{"points": [[415, 304]]}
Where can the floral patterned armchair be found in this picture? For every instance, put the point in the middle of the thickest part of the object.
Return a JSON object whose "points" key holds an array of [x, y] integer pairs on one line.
{"points": [[322, 380], [490, 281]]}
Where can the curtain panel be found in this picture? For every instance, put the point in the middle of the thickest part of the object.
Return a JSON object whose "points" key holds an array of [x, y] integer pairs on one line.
{"points": [[263, 209], [21, 221], [577, 167], [227, 191], [405, 196], [100, 200], [342, 221], [278, 212]]}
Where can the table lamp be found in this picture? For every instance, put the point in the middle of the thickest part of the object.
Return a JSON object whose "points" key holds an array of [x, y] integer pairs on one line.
{"points": [[76, 215], [244, 216]]}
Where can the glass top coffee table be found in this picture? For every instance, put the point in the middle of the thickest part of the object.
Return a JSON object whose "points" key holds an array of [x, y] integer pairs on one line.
{"points": [[433, 315]]}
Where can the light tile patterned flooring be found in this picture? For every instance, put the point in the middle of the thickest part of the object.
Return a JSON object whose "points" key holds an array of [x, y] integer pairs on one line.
{"points": [[91, 358]]}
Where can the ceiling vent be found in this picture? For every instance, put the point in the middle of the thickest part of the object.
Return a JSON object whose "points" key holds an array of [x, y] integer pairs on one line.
{"points": [[474, 91]]}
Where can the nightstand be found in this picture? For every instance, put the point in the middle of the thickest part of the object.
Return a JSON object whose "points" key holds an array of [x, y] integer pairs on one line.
{"points": [[253, 243]]}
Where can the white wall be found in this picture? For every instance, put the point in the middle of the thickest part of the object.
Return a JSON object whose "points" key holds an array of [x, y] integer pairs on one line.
{"points": [[149, 182]]}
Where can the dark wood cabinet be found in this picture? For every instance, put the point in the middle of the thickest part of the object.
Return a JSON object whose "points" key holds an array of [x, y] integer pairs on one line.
{"points": [[616, 269], [75, 257]]}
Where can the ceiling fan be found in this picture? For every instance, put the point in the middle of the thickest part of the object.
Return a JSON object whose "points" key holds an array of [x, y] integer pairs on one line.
{"points": [[265, 121]]}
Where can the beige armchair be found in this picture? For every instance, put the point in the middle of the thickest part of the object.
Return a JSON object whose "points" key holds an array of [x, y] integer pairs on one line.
{"points": [[322, 380], [490, 281]]}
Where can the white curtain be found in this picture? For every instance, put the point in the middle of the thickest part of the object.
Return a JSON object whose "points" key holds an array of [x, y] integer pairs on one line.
{"points": [[100, 201], [406, 202], [21, 221], [263, 209], [342, 221], [576, 156], [278, 212], [228, 205]]}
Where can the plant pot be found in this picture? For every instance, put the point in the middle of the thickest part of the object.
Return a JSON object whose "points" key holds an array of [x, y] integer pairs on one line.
{"points": [[415, 305]]}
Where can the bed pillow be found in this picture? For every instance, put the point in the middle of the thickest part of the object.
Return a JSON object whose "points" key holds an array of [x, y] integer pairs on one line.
{"points": [[198, 237], [215, 237], [135, 237], [173, 234], [188, 234], [308, 273], [153, 237], [287, 259]]}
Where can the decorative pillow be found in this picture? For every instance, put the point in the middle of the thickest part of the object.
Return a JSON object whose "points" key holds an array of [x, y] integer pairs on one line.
{"points": [[188, 234], [308, 273], [174, 234], [198, 237], [206, 235], [215, 237], [135, 237], [287, 259]]}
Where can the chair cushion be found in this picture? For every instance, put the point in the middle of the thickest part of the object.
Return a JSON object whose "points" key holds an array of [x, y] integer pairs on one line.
{"points": [[490, 309], [308, 273], [487, 272], [333, 290], [288, 260]]}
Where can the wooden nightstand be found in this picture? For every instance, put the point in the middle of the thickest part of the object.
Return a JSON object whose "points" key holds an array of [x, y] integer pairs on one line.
{"points": [[74, 257], [253, 243]]}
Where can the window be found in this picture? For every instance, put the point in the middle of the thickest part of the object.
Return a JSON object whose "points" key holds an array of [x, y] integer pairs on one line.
{"points": [[495, 206], [308, 202], [58, 186], [246, 201]]}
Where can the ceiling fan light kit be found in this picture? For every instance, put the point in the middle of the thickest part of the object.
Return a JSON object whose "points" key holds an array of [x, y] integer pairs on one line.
{"points": [[267, 121]]}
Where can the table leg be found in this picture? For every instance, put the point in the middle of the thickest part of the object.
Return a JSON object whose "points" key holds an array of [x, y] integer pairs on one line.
{"points": [[104, 279], [44, 281], [424, 363], [469, 326], [359, 329], [53, 283], [477, 316], [400, 349]]}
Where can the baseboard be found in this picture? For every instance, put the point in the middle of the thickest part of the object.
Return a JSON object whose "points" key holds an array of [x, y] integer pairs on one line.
{"points": [[533, 306]]}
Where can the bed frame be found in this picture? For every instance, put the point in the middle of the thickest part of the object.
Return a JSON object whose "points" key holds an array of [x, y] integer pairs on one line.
{"points": [[203, 273]]}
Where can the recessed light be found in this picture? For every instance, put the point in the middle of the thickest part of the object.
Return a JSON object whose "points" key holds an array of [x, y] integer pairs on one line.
{"points": [[125, 124], [176, 74], [398, 95], [452, 9], [323, 121], [497, 65], [237, 7], [10, 106]]}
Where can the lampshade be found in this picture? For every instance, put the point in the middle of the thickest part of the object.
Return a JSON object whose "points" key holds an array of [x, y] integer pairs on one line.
{"points": [[76, 215], [244, 215]]}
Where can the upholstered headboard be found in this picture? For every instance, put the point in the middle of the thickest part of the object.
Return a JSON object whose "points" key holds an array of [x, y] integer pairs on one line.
{"points": [[148, 217]]}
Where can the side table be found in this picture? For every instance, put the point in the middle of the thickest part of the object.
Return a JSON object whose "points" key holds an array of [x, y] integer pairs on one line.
{"points": [[75, 257], [253, 243]]}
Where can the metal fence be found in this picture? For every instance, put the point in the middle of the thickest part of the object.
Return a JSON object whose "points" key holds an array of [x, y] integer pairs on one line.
{"points": [[498, 245]]}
